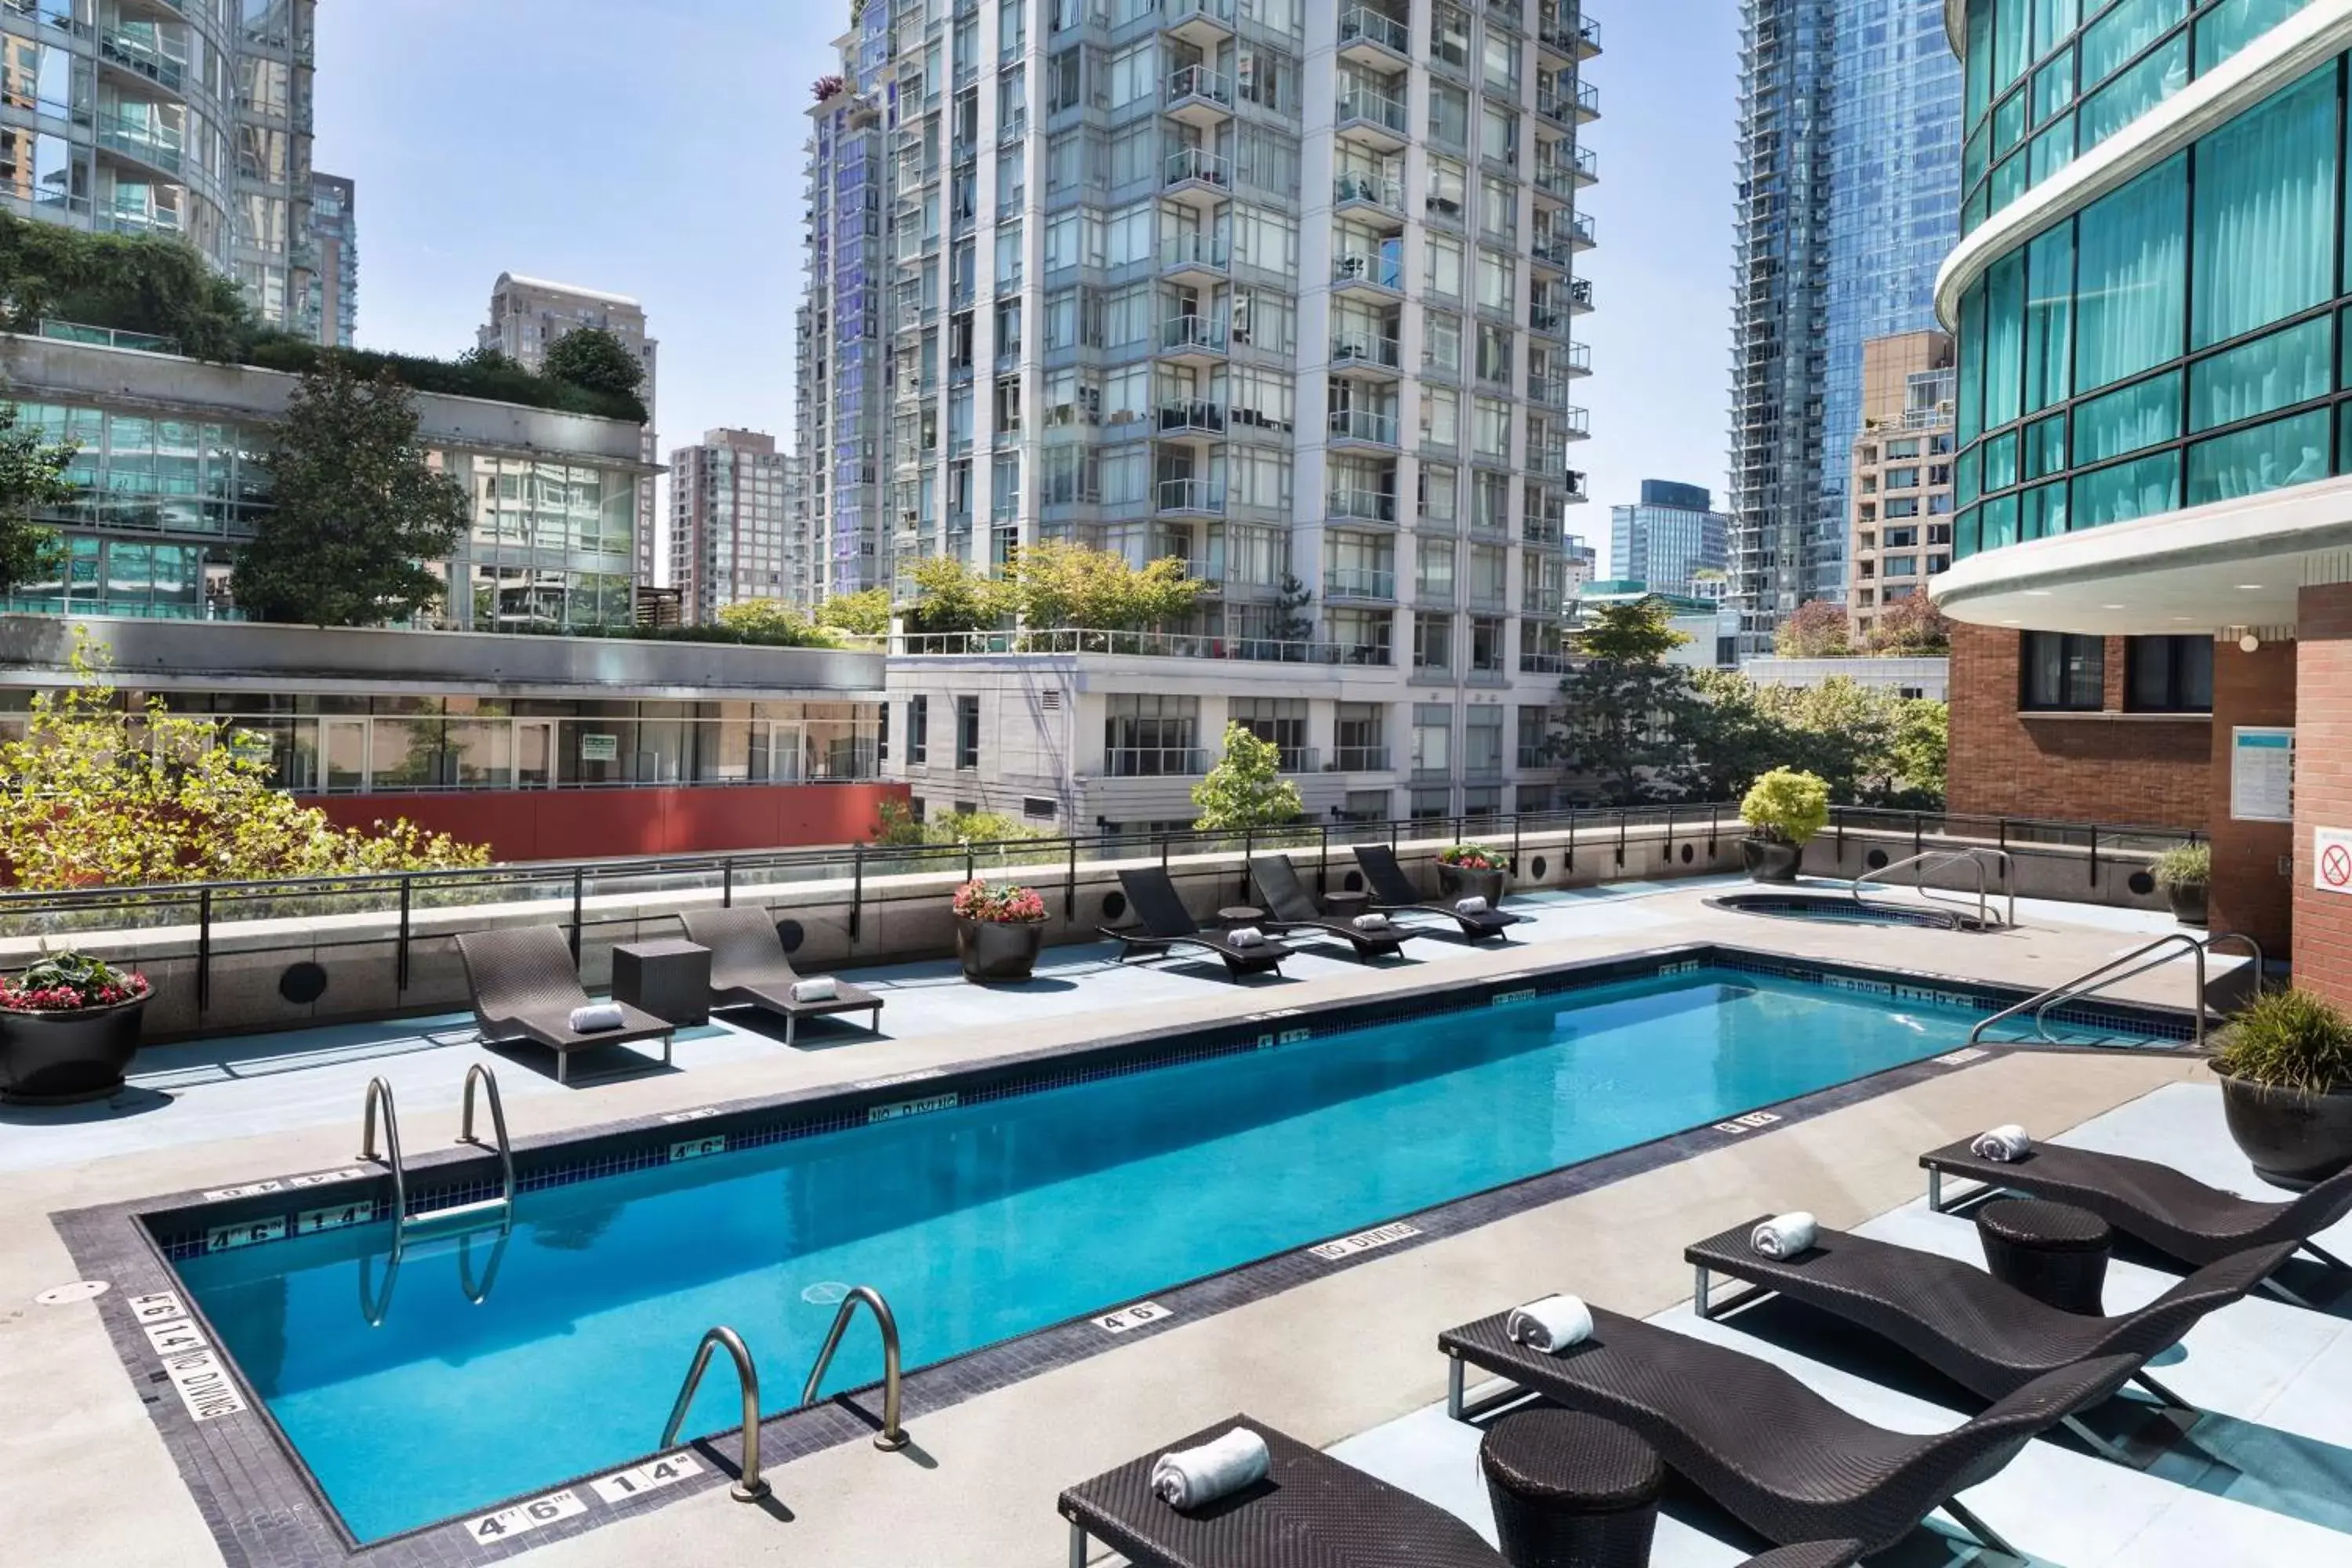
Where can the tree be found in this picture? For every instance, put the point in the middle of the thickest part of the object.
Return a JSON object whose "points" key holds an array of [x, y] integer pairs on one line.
{"points": [[358, 511], [31, 476], [1638, 633], [1291, 623], [1246, 788], [866, 614], [1911, 625], [1816, 629], [1057, 584], [99, 794], [1870, 746], [1623, 710], [950, 597], [592, 358], [772, 623]]}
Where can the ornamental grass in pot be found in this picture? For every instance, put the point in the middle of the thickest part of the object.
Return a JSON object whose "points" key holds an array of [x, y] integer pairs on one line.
{"points": [[999, 929], [2184, 872], [2285, 1065], [1473, 871], [68, 1027], [1783, 810]]}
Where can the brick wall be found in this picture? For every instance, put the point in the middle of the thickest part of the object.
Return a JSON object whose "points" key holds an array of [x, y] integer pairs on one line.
{"points": [[2322, 784], [2081, 767], [2249, 893]]}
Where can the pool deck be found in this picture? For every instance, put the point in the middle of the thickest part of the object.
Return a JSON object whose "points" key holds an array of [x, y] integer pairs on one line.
{"points": [[1345, 1359]]}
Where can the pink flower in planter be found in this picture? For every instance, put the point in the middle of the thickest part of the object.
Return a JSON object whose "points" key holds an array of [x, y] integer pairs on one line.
{"points": [[1002, 903]]}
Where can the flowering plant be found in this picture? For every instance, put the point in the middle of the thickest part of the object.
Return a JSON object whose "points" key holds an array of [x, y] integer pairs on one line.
{"points": [[1471, 858], [70, 983], [1002, 903]]}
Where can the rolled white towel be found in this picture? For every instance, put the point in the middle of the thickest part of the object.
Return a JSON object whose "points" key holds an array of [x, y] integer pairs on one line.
{"points": [[1245, 936], [596, 1017], [1783, 1236], [1550, 1325], [1194, 1477], [1470, 906], [2002, 1145], [1372, 922], [821, 989]]}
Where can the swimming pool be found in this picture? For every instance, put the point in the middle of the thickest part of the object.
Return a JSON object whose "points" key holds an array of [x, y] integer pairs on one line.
{"points": [[979, 1222]]}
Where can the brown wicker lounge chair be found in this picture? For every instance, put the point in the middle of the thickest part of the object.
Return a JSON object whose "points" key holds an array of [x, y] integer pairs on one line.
{"points": [[1393, 891], [1167, 924], [525, 984], [749, 968], [1786, 1462], [1292, 909]]}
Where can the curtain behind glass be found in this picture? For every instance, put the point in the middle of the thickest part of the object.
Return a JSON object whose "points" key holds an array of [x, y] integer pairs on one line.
{"points": [[2049, 316], [2131, 258], [2265, 221]]}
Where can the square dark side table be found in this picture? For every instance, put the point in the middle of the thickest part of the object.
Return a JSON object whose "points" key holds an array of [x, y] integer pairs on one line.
{"points": [[670, 979]]}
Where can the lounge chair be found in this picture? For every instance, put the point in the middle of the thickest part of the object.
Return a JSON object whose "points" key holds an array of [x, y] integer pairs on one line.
{"points": [[1168, 924], [1989, 1337], [1292, 909], [1311, 1511], [1393, 891], [749, 969], [525, 984], [2178, 1215], [1786, 1461]]}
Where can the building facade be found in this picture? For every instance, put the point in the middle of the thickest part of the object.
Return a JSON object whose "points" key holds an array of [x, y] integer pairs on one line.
{"points": [[1901, 497], [171, 480], [335, 233], [1668, 537], [530, 316], [1848, 174], [2153, 544], [191, 120], [732, 518]]}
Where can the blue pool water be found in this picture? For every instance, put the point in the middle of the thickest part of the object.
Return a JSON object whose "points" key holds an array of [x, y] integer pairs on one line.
{"points": [[976, 1223]]}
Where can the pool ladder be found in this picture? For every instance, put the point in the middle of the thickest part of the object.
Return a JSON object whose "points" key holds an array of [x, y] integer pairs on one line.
{"points": [[2114, 971], [458, 1218]]}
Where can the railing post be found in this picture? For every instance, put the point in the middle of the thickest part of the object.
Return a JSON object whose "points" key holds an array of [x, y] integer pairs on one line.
{"points": [[399, 949], [1249, 845], [1070, 885], [579, 877], [1323, 860], [726, 883], [1621, 838], [1918, 845], [1670, 836], [856, 887], [1569, 869], [2094, 855], [1514, 844], [1714, 810], [204, 950]]}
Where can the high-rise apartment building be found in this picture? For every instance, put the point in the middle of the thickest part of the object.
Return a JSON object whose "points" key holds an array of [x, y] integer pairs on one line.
{"points": [[1276, 289], [530, 316], [187, 119], [1902, 480], [731, 525], [1668, 537], [1848, 179], [335, 233]]}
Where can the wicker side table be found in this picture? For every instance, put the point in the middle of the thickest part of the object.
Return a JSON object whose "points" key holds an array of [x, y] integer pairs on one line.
{"points": [[1571, 1490], [2053, 1252], [668, 978]]}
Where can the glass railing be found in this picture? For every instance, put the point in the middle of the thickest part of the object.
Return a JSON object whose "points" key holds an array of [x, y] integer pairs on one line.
{"points": [[1385, 267], [1361, 758], [1191, 495], [1202, 333], [1193, 418], [1200, 82], [1067, 640], [1364, 348], [1153, 762], [1205, 252], [1363, 424], [1361, 103], [135, 53], [1176, 13], [1365, 505], [137, 140], [1189, 164], [1363, 23], [1377, 189], [1359, 583], [1579, 226]]}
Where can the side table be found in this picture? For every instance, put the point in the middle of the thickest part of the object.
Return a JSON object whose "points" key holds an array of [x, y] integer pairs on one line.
{"points": [[668, 978], [2053, 1252]]}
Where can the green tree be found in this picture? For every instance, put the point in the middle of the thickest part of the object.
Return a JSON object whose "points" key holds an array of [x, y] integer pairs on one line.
{"points": [[358, 511], [1817, 629], [1057, 584], [950, 597], [1921, 751], [1911, 625], [1638, 633], [101, 794], [148, 284], [1291, 622], [1870, 746], [867, 612], [1623, 707], [592, 358], [31, 476], [773, 622], [1246, 788]]}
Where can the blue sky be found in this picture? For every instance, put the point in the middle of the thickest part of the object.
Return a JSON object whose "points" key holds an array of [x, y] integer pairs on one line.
{"points": [[653, 148]]}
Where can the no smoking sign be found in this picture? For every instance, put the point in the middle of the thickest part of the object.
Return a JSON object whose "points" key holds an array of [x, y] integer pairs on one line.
{"points": [[2331, 859]]}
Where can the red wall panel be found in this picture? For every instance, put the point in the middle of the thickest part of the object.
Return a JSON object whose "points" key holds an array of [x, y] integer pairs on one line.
{"points": [[587, 825]]}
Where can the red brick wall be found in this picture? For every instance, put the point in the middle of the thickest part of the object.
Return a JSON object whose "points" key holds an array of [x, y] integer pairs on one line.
{"points": [[2248, 894], [2323, 784], [2073, 766], [592, 823]]}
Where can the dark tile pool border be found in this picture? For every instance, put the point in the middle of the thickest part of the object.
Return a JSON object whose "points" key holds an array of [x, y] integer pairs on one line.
{"points": [[263, 1507]]}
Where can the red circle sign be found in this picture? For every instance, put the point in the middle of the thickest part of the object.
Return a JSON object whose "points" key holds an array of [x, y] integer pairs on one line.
{"points": [[2335, 867]]}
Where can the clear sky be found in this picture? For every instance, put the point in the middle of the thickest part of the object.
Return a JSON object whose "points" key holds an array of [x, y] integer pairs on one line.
{"points": [[654, 148]]}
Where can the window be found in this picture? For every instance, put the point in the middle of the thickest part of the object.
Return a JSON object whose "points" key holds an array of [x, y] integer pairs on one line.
{"points": [[919, 715], [1281, 721], [1433, 739], [1149, 735], [2266, 220], [2168, 675], [2061, 672], [1432, 642], [967, 733], [2130, 283]]}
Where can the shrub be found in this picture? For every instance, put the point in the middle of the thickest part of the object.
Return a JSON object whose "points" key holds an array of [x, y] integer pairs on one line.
{"points": [[1246, 788], [2288, 1039], [68, 983], [2183, 866], [1000, 903], [1472, 856], [1786, 807]]}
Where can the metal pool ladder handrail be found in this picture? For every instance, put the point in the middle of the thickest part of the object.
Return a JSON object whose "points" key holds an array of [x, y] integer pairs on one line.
{"points": [[751, 1486], [2253, 948], [891, 1439], [1973, 856], [481, 1073], [379, 1089], [2098, 979]]}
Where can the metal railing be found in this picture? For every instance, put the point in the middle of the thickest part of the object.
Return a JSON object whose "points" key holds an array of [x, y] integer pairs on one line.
{"points": [[1350, 347], [750, 1486], [1920, 865], [1199, 83], [1363, 424], [1377, 189], [892, 1437], [1360, 104], [2111, 972], [380, 1091], [1373, 26]]}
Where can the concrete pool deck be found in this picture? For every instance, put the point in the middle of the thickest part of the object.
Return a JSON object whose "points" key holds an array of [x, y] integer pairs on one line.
{"points": [[91, 1479]]}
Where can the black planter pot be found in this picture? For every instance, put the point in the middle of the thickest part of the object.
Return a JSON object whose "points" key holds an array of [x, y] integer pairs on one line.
{"points": [[1465, 882], [2187, 902], [1770, 862], [2295, 1140], [58, 1058], [998, 949]]}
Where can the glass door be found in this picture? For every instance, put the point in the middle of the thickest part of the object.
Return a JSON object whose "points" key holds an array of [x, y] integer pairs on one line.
{"points": [[342, 755], [534, 754], [786, 747]]}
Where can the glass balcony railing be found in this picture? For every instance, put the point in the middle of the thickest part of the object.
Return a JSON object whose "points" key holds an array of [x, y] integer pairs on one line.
{"points": [[1363, 505], [1206, 496], [1377, 189], [1363, 424], [1199, 84], [1192, 418], [1359, 583], [1361, 22], [1191, 164], [1385, 267], [1196, 252], [1203, 334], [1361, 348], [1175, 13], [1363, 105], [1359, 759], [1153, 762]]}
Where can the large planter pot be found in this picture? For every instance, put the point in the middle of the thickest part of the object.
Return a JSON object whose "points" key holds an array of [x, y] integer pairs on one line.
{"points": [[1769, 861], [2187, 900], [998, 949], [2295, 1140], [1465, 882], [57, 1059]]}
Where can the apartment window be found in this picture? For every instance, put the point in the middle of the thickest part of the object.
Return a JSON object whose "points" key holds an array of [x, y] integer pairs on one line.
{"points": [[1535, 736], [967, 733], [1433, 739], [1433, 571], [1281, 721], [1487, 659], [1146, 734], [1449, 115], [918, 718], [1432, 642], [2168, 675], [1441, 343], [2062, 672], [882, 737], [1481, 742], [1359, 733]]}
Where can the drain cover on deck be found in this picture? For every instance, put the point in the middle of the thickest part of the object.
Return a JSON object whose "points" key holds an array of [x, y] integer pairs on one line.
{"points": [[825, 1293], [79, 1290]]}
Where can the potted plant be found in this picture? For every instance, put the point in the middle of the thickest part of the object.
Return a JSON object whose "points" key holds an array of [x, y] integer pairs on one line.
{"points": [[2285, 1064], [69, 1026], [2184, 872], [1000, 926], [1783, 810], [1473, 871]]}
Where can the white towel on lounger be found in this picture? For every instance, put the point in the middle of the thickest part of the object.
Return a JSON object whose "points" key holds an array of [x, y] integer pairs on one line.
{"points": [[596, 1017], [1549, 1325], [2002, 1145], [821, 989], [1245, 936], [1783, 1236], [1372, 922], [1471, 905], [1194, 1477]]}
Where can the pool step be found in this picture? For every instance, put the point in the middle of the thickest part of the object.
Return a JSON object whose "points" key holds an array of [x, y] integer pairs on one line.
{"points": [[459, 1216]]}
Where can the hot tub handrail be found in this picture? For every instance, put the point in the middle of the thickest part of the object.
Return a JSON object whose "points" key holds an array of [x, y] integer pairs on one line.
{"points": [[751, 1487], [891, 1438], [1973, 856]]}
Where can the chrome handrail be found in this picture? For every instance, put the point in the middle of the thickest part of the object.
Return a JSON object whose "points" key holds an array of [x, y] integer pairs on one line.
{"points": [[2098, 979], [1854, 889], [890, 1438], [481, 1073], [379, 1089], [751, 1487], [1974, 855], [2254, 949]]}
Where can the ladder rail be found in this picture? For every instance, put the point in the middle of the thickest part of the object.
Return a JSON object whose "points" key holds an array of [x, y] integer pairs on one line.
{"points": [[750, 1486], [1975, 856], [892, 1437], [2040, 1023], [380, 1091], [479, 1073], [2254, 949], [2096, 979]]}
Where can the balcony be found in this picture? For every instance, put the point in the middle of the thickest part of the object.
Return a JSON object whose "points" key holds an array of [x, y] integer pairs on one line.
{"points": [[1201, 257], [135, 138], [140, 57], [1580, 297], [1379, 273], [1364, 426], [1196, 419], [1578, 490], [1370, 117], [1587, 102], [1197, 177], [1204, 24], [1580, 231], [1346, 503], [1564, 32], [1191, 497], [1555, 182], [1352, 189], [1199, 97], [1374, 38], [1365, 353], [1154, 761], [1359, 759], [1192, 339], [1542, 663], [1359, 583], [1063, 642]]}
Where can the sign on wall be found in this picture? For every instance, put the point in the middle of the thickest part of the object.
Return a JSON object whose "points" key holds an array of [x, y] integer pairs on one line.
{"points": [[2261, 774], [600, 748], [2331, 859]]}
